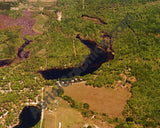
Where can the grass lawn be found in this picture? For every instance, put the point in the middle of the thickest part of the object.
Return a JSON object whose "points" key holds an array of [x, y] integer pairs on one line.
{"points": [[64, 114]]}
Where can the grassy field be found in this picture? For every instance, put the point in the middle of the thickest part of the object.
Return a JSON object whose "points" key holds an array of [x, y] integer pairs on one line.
{"points": [[102, 100], [69, 117], [63, 113]]}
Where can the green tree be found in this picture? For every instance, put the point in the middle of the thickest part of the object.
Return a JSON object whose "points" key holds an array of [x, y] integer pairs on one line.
{"points": [[86, 106]]}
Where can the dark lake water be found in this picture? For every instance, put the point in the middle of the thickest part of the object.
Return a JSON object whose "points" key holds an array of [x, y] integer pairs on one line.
{"points": [[6, 62], [21, 54], [98, 55], [29, 117]]}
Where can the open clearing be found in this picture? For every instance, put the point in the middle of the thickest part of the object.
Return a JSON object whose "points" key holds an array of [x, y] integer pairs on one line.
{"points": [[26, 22], [69, 117], [104, 100], [64, 114]]}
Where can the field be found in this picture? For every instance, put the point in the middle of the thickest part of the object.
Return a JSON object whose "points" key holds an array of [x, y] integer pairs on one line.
{"points": [[69, 117], [102, 100], [61, 112]]}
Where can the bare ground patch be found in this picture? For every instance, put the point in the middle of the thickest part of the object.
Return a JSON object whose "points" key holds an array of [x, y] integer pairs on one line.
{"points": [[104, 100], [26, 22]]}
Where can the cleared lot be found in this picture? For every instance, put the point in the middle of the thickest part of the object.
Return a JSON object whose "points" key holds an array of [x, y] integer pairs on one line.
{"points": [[104, 100]]}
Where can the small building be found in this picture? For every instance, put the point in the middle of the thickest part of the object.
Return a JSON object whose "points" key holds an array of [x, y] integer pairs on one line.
{"points": [[14, 8]]}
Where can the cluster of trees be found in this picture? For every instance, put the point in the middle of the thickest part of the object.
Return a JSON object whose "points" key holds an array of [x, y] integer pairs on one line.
{"points": [[84, 108], [69, 100], [7, 5], [10, 41]]}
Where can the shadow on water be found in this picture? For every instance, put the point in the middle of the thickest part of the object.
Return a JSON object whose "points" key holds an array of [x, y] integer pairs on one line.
{"points": [[98, 55], [29, 117]]}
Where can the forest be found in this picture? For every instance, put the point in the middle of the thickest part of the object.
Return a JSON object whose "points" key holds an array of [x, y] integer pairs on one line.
{"points": [[136, 53]]}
